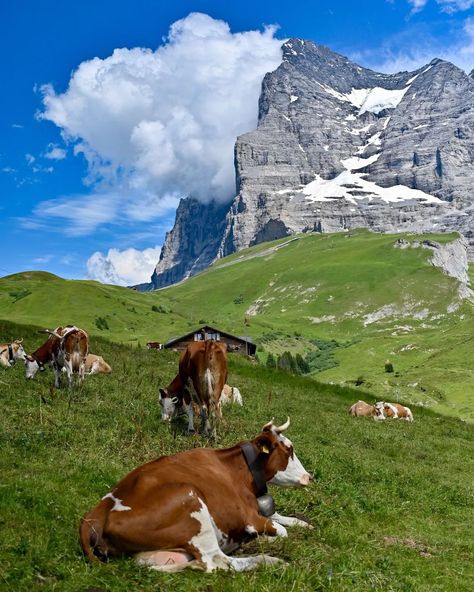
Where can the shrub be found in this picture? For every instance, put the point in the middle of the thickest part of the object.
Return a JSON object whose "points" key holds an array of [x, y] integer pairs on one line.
{"points": [[160, 309], [388, 366], [239, 299], [19, 294], [271, 363], [101, 323]]}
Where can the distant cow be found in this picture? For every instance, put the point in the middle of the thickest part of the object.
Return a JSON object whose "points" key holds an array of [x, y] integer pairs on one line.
{"points": [[194, 508], [230, 394], [11, 352], [65, 347], [363, 409], [205, 364], [154, 345], [397, 411], [96, 365]]}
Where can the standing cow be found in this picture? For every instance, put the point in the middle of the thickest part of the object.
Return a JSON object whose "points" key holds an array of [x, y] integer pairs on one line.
{"points": [[194, 508], [66, 347], [11, 352], [205, 364]]}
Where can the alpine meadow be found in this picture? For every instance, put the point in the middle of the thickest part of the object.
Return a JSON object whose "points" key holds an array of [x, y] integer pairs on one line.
{"points": [[391, 502]]}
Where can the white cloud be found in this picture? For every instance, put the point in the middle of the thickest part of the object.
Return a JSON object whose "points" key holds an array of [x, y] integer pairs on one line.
{"points": [[451, 6], [459, 52], [164, 122], [30, 159], [417, 5], [123, 268], [53, 152]]}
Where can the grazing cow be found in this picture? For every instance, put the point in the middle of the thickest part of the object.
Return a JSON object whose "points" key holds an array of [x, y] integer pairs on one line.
{"points": [[11, 352], [65, 347], [230, 394], [193, 508], [205, 364], [363, 409], [397, 411]]}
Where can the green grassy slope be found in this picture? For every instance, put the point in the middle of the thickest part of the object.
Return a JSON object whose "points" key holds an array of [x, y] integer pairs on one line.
{"points": [[391, 503], [380, 301]]}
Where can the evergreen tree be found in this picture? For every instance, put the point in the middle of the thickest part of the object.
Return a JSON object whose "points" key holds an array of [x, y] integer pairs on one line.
{"points": [[271, 363]]}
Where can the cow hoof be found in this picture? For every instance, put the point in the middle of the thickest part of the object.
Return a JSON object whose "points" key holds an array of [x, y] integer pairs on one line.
{"points": [[190, 432]]}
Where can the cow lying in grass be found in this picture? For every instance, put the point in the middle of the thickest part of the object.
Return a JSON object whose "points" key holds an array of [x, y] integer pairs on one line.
{"points": [[363, 409], [194, 508], [396, 411], [11, 352]]}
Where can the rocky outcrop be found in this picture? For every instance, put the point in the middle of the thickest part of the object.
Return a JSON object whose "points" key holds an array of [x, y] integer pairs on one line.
{"points": [[192, 245], [339, 146], [450, 257]]}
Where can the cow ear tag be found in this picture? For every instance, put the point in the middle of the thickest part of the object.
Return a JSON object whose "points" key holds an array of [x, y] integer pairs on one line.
{"points": [[265, 449]]}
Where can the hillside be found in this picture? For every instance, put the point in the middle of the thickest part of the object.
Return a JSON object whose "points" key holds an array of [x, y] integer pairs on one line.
{"points": [[376, 301], [391, 503]]}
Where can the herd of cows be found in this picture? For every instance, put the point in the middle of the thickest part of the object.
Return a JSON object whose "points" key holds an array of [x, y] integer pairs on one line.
{"points": [[169, 513]]}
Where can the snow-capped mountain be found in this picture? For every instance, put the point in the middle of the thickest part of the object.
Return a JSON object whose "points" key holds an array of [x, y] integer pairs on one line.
{"points": [[339, 146]]}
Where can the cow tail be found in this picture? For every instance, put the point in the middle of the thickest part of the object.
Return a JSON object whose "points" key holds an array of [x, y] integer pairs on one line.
{"points": [[91, 531]]}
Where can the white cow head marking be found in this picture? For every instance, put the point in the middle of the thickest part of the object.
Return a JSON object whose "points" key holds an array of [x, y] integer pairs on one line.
{"points": [[31, 367], [168, 405], [294, 474]]}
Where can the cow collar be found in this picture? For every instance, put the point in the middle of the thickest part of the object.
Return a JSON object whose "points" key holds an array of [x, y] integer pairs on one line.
{"points": [[255, 465], [10, 354]]}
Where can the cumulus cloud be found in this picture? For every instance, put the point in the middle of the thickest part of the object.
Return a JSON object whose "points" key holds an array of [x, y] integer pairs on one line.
{"points": [[163, 123], [123, 268]]}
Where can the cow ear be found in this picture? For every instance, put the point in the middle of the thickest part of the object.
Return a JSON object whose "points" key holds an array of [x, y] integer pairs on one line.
{"points": [[264, 445], [162, 393]]}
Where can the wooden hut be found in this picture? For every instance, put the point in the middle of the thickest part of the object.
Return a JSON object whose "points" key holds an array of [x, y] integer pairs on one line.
{"points": [[239, 345]]}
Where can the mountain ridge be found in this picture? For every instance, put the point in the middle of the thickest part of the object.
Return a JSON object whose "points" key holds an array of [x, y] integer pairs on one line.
{"points": [[338, 146]]}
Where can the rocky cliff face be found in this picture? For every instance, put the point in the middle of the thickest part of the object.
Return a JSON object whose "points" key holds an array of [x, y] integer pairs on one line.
{"points": [[338, 146]]}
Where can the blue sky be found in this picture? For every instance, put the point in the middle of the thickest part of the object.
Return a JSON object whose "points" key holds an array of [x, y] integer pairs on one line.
{"points": [[94, 155]]}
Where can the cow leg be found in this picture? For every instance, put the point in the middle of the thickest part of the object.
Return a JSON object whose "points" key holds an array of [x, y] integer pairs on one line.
{"points": [[289, 521], [57, 375], [206, 426], [209, 554], [190, 413]]}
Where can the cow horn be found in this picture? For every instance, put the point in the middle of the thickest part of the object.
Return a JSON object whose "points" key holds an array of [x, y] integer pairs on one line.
{"points": [[283, 427], [268, 425], [19, 340], [53, 333]]}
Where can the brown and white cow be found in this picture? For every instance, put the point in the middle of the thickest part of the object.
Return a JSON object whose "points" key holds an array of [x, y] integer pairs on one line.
{"points": [[205, 364], [397, 411], [194, 508], [230, 394], [96, 365], [11, 352], [363, 409], [66, 347]]}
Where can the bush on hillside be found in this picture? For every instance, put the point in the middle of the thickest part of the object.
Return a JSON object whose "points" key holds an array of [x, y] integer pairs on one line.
{"points": [[388, 366], [19, 294], [271, 363], [101, 323], [159, 308]]}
